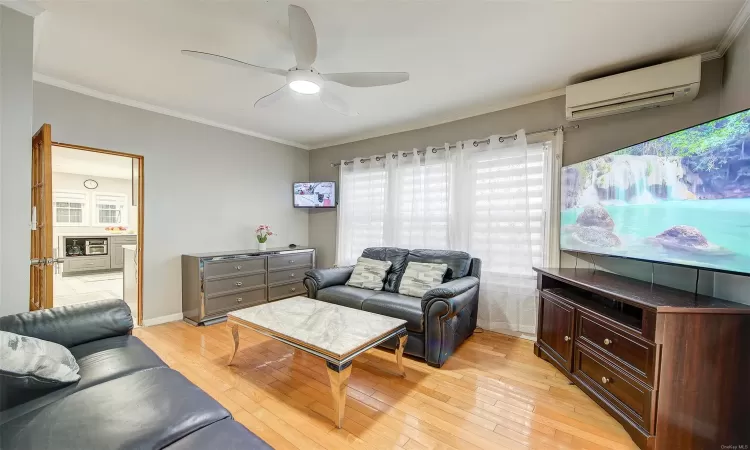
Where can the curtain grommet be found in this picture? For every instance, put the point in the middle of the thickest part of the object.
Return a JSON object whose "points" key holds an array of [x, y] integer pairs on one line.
{"points": [[362, 160], [377, 158], [404, 154], [476, 144], [515, 137], [394, 156], [434, 150]]}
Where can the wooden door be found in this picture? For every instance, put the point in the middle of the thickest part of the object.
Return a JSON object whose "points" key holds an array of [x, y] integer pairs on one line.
{"points": [[556, 330], [42, 267]]}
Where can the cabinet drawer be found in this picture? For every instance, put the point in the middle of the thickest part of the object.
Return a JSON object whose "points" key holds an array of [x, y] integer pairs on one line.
{"points": [[214, 287], [233, 267], [621, 391], [286, 275], [637, 354], [286, 290], [235, 301], [123, 239], [289, 260], [88, 263]]}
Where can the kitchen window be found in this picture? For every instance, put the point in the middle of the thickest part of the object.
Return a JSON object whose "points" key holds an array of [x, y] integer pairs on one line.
{"points": [[70, 208], [110, 209]]}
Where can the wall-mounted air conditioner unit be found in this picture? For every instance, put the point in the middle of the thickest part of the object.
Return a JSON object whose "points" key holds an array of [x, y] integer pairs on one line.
{"points": [[650, 87]]}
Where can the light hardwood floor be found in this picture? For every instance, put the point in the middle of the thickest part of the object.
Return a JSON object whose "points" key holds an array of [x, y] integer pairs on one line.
{"points": [[492, 394]]}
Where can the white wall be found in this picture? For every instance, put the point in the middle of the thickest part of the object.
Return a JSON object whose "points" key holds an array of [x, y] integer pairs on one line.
{"points": [[16, 50], [206, 189], [73, 182]]}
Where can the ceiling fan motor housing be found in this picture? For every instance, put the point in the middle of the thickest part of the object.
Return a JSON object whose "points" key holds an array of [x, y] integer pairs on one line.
{"points": [[302, 80]]}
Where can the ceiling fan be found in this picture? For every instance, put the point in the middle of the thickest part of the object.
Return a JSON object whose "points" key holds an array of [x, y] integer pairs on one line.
{"points": [[304, 79]]}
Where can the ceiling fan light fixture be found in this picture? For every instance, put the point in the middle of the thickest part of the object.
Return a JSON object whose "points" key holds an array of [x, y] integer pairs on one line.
{"points": [[304, 87]]}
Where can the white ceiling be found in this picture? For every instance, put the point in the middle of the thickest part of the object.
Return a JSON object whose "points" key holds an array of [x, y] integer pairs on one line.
{"points": [[93, 164], [465, 57]]}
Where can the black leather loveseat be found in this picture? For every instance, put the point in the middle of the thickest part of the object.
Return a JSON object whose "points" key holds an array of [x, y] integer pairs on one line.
{"points": [[437, 323], [126, 397]]}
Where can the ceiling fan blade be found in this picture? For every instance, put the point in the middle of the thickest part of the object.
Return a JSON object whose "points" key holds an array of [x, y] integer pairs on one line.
{"points": [[367, 79], [272, 98], [304, 39], [232, 62], [333, 101]]}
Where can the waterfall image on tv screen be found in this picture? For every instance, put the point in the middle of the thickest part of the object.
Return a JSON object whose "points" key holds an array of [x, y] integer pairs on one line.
{"points": [[683, 198]]}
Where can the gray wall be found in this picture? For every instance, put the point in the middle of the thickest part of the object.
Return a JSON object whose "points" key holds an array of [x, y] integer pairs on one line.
{"points": [[16, 50], [595, 137], [735, 97], [206, 189]]}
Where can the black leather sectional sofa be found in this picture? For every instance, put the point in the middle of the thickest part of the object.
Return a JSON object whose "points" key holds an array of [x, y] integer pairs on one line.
{"points": [[127, 397], [437, 323]]}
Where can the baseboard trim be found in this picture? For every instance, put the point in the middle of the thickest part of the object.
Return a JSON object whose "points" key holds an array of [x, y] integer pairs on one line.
{"points": [[162, 319]]}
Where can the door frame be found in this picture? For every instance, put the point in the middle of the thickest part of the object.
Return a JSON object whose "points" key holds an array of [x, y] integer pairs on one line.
{"points": [[139, 242]]}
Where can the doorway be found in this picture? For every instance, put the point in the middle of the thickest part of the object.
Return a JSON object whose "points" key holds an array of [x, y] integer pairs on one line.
{"points": [[88, 213]]}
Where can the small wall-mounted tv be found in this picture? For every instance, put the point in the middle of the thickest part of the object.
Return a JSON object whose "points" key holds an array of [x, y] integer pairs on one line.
{"points": [[315, 194], [681, 199]]}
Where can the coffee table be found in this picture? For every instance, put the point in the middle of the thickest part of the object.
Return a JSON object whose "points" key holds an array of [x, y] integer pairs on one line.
{"points": [[334, 333]]}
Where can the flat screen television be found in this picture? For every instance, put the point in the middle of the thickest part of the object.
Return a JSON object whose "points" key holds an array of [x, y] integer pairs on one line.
{"points": [[681, 199], [315, 194]]}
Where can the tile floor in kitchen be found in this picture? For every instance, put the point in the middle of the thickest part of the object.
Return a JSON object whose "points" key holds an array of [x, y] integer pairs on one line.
{"points": [[88, 288]]}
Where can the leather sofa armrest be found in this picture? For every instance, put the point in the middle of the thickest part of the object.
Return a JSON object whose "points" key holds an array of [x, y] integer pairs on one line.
{"points": [[322, 278], [73, 325], [450, 293]]}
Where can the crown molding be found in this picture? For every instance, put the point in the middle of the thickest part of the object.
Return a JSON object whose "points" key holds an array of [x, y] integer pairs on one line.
{"points": [[45, 79], [710, 55], [27, 7], [466, 114], [734, 29]]}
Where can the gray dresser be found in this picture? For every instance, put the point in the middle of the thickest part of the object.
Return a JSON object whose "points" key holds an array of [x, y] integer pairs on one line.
{"points": [[215, 283]]}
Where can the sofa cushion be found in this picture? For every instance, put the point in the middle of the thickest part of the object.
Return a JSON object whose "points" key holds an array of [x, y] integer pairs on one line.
{"points": [[225, 434], [348, 296], [397, 256], [418, 278], [147, 409], [458, 263], [369, 274], [398, 306]]}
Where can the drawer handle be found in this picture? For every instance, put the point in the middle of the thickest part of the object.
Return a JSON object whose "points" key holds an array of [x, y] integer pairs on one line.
{"points": [[239, 299], [567, 338], [239, 283], [293, 289], [607, 342], [606, 380], [291, 275], [291, 261], [238, 267]]}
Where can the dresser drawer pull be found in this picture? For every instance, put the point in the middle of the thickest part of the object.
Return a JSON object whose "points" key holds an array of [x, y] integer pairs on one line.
{"points": [[567, 338], [607, 341], [291, 275], [238, 267], [239, 283], [606, 380], [291, 261], [293, 289], [239, 299]]}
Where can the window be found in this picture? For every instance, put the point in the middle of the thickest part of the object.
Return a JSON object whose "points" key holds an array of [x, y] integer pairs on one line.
{"points": [[110, 209], [69, 208], [361, 212]]}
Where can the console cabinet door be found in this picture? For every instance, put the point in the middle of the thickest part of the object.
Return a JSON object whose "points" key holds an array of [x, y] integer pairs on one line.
{"points": [[556, 330]]}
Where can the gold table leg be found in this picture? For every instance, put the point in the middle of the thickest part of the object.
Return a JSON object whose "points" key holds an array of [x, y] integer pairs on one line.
{"points": [[233, 329], [400, 353], [339, 378]]}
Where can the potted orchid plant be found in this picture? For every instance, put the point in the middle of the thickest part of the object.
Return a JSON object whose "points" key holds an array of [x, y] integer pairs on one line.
{"points": [[262, 233]]}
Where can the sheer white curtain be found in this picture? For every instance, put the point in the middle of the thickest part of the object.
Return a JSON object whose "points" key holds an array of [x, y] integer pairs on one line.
{"points": [[417, 209], [361, 211]]}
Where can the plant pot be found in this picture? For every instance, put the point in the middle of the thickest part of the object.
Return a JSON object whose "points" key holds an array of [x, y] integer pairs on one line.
{"points": [[262, 246]]}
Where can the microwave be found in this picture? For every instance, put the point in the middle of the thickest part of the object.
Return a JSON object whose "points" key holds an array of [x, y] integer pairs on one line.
{"points": [[95, 247]]}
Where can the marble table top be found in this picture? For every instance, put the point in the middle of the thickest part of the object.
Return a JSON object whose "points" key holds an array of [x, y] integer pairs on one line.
{"points": [[334, 330]]}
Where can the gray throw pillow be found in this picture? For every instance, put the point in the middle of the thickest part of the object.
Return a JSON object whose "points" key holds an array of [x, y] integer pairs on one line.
{"points": [[27, 362], [369, 274], [419, 278]]}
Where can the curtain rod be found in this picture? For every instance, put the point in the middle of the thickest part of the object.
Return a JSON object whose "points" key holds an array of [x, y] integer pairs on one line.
{"points": [[476, 143]]}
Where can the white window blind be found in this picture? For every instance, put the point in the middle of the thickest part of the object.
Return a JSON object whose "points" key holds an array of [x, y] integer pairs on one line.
{"points": [[111, 209], [69, 208], [361, 212]]}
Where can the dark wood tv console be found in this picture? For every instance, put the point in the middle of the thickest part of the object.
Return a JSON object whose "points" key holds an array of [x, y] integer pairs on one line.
{"points": [[671, 366]]}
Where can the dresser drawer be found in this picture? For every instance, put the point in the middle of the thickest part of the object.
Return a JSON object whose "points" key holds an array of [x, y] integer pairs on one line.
{"points": [[220, 286], [287, 275], [233, 267], [235, 301], [636, 354], [289, 260], [88, 263], [629, 396], [286, 290]]}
